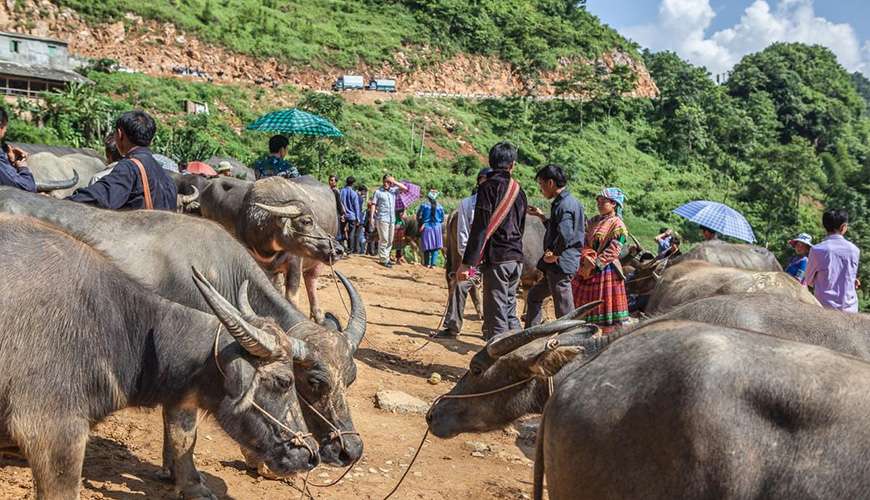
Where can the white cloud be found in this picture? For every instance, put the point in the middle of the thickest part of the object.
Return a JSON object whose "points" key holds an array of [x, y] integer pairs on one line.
{"points": [[682, 26]]}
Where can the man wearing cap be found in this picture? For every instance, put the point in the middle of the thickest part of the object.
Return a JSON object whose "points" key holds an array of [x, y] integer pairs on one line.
{"points": [[797, 266], [459, 289]]}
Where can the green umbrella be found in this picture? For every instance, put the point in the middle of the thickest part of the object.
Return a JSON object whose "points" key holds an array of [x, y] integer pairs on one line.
{"points": [[294, 121]]}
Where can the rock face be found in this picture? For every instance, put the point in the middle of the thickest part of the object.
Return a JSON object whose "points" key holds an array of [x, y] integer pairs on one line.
{"points": [[158, 48], [400, 402]]}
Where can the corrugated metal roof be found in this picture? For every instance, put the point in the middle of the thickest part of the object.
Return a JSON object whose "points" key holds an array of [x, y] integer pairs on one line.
{"points": [[32, 149], [41, 73], [33, 37]]}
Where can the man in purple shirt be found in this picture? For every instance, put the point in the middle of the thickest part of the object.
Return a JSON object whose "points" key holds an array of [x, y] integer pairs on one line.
{"points": [[832, 270]]}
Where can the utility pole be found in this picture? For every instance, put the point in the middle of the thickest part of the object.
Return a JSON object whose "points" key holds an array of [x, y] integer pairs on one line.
{"points": [[422, 140]]}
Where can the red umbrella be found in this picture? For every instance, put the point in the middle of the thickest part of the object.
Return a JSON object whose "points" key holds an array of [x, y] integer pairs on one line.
{"points": [[198, 167]]}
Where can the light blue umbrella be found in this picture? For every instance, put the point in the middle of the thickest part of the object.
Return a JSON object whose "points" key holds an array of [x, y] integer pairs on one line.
{"points": [[718, 217]]}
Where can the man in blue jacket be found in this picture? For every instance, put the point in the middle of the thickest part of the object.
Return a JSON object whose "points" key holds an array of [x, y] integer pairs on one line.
{"points": [[13, 162], [351, 207], [123, 187]]}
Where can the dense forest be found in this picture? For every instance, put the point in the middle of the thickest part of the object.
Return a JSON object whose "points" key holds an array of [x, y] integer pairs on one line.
{"points": [[784, 137]]}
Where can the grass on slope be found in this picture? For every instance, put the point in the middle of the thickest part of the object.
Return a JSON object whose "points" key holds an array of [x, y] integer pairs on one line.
{"points": [[531, 34]]}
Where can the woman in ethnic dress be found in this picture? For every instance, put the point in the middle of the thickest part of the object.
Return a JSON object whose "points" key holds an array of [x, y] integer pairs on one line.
{"points": [[600, 276]]}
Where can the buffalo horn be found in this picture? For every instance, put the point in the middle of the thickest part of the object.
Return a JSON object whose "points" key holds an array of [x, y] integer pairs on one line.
{"points": [[251, 338], [582, 310], [285, 211], [44, 187], [190, 198], [356, 325], [245, 308], [508, 342]]}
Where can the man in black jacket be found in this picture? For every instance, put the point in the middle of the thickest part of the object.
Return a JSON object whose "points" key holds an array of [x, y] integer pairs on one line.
{"points": [[123, 187], [501, 256], [563, 242]]}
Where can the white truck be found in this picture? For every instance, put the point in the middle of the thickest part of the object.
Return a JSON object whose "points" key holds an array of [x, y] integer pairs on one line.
{"points": [[349, 82]]}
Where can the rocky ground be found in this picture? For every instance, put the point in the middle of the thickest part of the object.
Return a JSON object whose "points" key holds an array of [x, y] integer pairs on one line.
{"points": [[404, 305]]}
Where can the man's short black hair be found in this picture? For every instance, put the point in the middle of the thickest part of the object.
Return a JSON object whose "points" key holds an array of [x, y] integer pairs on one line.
{"points": [[662, 230], [553, 173], [834, 218], [4, 117], [138, 126], [705, 228], [350, 181], [277, 143], [386, 176], [502, 156]]}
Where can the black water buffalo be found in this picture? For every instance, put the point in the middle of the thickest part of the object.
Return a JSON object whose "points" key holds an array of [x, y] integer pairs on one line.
{"points": [[782, 317], [738, 255], [694, 279], [646, 270], [537, 359], [159, 249], [689, 410], [90, 341], [289, 226]]}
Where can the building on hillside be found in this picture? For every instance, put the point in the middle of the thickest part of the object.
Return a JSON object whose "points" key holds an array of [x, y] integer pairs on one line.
{"points": [[30, 65]]}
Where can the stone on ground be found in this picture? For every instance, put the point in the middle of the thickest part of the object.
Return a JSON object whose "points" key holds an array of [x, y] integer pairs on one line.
{"points": [[400, 402]]}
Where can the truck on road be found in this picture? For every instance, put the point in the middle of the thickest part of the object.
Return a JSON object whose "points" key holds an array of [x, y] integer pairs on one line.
{"points": [[349, 82]]}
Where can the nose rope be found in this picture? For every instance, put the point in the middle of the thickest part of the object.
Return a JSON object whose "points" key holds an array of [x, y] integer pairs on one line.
{"points": [[298, 438], [335, 434]]}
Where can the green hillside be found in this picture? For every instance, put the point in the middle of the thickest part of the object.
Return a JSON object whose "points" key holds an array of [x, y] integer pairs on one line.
{"points": [[532, 35]]}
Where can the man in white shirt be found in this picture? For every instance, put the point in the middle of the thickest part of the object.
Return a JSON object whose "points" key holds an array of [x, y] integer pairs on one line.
{"points": [[459, 289], [382, 210]]}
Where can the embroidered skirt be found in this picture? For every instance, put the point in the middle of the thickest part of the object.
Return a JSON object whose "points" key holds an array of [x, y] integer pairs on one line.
{"points": [[432, 238], [609, 287]]}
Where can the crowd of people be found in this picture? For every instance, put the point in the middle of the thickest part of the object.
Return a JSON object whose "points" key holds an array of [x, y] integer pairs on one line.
{"points": [[581, 256]]}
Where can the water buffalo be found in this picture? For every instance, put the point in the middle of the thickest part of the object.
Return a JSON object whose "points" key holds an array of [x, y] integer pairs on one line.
{"points": [[690, 410], [145, 245], [740, 256], [782, 317], [289, 226], [694, 279], [511, 376], [91, 341], [76, 169]]}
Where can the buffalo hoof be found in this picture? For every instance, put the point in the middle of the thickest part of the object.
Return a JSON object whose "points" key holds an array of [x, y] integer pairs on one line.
{"points": [[197, 492]]}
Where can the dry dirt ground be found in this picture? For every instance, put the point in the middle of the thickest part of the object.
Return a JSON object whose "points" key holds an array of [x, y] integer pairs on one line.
{"points": [[404, 305]]}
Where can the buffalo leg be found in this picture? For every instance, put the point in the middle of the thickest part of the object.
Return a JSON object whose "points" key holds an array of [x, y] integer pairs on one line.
{"points": [[179, 440], [311, 276], [55, 453], [293, 279]]}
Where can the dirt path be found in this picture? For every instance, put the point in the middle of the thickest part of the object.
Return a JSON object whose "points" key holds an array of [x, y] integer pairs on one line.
{"points": [[404, 304]]}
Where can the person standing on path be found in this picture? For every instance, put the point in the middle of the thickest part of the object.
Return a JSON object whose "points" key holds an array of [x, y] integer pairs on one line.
{"points": [[352, 209], [430, 217], [136, 181], [496, 242], [383, 212], [832, 267], [459, 289], [601, 276], [562, 243]]}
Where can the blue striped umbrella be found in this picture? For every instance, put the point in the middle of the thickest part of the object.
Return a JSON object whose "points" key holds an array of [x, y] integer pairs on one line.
{"points": [[718, 217]]}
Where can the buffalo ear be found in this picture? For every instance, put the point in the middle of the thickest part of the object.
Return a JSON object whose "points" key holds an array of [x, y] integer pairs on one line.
{"points": [[550, 361]]}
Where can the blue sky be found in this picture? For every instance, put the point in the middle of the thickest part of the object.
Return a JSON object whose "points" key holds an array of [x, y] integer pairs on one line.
{"points": [[716, 33]]}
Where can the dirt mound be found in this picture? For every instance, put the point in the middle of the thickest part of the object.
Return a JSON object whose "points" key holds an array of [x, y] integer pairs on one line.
{"points": [[404, 305]]}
